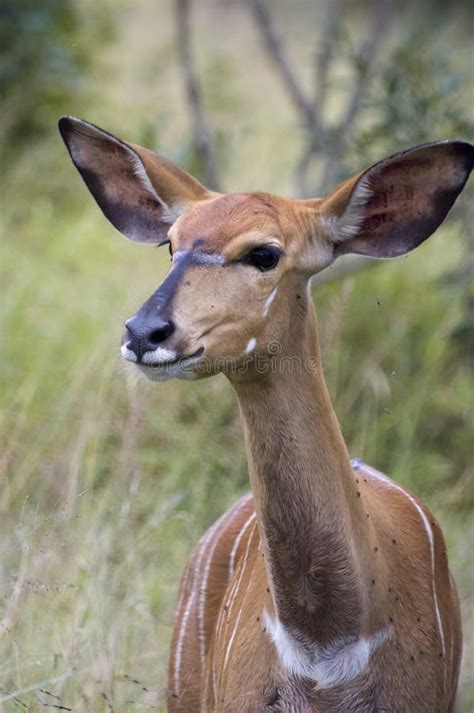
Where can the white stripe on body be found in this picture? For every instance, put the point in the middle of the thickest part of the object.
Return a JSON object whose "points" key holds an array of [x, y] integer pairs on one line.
{"points": [[237, 542], [207, 567], [228, 603], [187, 611], [234, 597], [233, 554], [201, 550], [377, 474], [200, 554]]}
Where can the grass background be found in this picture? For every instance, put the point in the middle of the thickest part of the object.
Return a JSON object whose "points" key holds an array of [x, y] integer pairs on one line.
{"points": [[108, 481]]}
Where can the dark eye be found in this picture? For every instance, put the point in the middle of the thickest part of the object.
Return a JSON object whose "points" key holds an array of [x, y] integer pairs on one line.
{"points": [[170, 250], [264, 258]]}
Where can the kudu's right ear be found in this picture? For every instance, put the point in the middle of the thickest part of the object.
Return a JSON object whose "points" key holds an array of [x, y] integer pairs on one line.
{"points": [[141, 193], [397, 203]]}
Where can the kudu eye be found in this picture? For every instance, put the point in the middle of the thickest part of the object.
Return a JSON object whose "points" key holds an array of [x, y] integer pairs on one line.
{"points": [[264, 258]]}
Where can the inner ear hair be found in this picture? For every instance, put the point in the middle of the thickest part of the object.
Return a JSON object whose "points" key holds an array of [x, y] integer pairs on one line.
{"points": [[397, 203], [343, 228], [140, 172], [170, 213], [139, 192]]}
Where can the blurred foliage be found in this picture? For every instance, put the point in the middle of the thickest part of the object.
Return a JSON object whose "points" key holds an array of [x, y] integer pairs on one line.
{"points": [[107, 482], [419, 96], [43, 63]]}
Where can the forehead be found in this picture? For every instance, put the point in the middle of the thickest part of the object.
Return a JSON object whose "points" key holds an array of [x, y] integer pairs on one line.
{"points": [[218, 221]]}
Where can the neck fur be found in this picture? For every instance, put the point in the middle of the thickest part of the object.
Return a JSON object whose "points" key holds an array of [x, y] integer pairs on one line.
{"points": [[312, 528]]}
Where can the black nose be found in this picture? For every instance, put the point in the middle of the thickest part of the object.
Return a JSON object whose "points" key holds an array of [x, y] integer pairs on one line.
{"points": [[147, 333]]}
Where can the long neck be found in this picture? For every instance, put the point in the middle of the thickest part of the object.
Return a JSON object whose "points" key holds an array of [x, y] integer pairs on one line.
{"points": [[312, 526]]}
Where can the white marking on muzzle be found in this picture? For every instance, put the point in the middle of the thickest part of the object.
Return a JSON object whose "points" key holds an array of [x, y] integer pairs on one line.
{"points": [[127, 353], [158, 356]]}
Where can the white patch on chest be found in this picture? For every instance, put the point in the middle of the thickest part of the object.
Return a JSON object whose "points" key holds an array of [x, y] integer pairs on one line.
{"points": [[329, 666]]}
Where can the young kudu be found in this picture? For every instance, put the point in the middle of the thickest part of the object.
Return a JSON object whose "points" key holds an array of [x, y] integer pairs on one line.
{"points": [[327, 589]]}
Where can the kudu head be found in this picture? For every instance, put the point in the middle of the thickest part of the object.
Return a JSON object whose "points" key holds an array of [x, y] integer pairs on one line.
{"points": [[241, 263]]}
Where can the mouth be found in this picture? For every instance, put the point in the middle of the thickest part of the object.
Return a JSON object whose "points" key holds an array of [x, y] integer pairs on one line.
{"points": [[182, 367], [182, 360]]}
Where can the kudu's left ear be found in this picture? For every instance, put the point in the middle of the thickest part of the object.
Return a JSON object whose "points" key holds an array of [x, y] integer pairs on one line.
{"points": [[140, 192], [396, 204]]}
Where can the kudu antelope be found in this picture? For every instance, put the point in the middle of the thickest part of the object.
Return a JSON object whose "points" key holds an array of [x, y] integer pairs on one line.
{"points": [[327, 589]]}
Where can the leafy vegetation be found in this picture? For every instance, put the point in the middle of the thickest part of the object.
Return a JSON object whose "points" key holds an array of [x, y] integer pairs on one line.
{"points": [[43, 63]]}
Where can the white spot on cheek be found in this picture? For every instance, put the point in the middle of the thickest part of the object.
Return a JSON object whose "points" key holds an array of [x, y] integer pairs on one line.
{"points": [[127, 353], [252, 343], [269, 301]]}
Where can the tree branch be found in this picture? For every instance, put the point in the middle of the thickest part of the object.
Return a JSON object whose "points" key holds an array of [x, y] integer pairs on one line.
{"points": [[365, 70], [307, 109], [276, 53], [201, 130], [324, 55], [366, 60], [310, 149]]}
